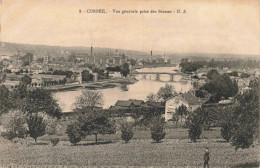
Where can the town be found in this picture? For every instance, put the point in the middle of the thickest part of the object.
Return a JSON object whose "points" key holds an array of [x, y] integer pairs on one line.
{"points": [[210, 108]]}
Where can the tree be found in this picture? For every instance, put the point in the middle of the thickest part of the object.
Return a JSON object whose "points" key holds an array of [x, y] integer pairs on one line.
{"points": [[244, 75], [201, 93], [175, 118], [165, 92], [74, 132], [15, 123], [188, 67], [126, 130], [213, 74], [233, 73], [132, 62], [147, 115], [137, 117], [194, 124], [36, 126], [224, 116], [5, 103], [18, 98], [246, 119], [254, 84], [125, 69], [181, 111], [220, 86], [114, 69], [27, 59], [26, 80], [152, 97], [88, 100], [94, 123], [86, 76], [208, 115], [226, 131], [40, 100], [100, 72], [157, 129]]}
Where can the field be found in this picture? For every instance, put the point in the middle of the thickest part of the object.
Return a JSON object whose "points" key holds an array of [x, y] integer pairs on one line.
{"points": [[175, 150]]}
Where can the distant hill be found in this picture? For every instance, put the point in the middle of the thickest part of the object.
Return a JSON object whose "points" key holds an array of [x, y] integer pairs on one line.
{"points": [[7, 48], [57, 51]]}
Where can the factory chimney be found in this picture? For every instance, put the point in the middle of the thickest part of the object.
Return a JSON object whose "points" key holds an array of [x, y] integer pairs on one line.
{"points": [[91, 51], [151, 56]]}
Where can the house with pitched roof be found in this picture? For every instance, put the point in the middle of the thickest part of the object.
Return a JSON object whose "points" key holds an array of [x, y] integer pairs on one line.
{"points": [[188, 99], [137, 102], [127, 104]]}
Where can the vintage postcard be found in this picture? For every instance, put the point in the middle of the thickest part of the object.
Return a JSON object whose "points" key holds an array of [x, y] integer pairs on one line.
{"points": [[140, 83]]}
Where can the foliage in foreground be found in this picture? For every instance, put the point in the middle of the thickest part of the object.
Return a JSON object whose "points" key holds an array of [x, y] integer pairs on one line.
{"points": [[194, 123], [126, 130], [246, 117], [227, 122], [36, 126], [55, 141], [28, 101], [74, 133], [88, 100], [15, 124], [157, 129], [90, 123]]}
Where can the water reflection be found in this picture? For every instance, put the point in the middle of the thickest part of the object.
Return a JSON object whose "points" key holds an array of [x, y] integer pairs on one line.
{"points": [[139, 90]]}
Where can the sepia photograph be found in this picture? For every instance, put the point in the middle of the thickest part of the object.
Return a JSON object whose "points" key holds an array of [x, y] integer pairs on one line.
{"points": [[140, 83]]}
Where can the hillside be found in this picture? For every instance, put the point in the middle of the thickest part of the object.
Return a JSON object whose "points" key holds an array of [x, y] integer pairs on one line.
{"points": [[7, 48]]}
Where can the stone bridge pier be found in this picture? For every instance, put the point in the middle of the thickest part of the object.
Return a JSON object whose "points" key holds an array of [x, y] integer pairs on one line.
{"points": [[171, 77], [158, 77]]}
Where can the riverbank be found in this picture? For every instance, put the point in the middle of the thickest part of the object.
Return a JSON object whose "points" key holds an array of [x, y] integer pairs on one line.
{"points": [[155, 66], [100, 84]]}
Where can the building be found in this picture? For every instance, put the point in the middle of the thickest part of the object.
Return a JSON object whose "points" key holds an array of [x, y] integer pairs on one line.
{"points": [[100, 59], [40, 79], [46, 59], [136, 102], [188, 99], [128, 104], [11, 84]]}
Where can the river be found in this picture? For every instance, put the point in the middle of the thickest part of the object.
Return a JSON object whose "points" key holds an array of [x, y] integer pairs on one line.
{"points": [[139, 90]]}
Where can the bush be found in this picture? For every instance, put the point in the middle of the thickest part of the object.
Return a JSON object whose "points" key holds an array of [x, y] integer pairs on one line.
{"points": [[10, 135], [74, 133], [157, 129], [126, 130], [194, 125], [194, 132], [61, 128], [51, 125], [55, 141]]}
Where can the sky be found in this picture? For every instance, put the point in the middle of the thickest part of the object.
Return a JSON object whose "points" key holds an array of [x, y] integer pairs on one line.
{"points": [[215, 26]]}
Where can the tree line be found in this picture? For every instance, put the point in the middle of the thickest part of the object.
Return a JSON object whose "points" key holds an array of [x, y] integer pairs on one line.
{"points": [[191, 66]]}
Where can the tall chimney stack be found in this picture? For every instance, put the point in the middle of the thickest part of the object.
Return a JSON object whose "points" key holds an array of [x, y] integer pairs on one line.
{"points": [[91, 51], [151, 57]]}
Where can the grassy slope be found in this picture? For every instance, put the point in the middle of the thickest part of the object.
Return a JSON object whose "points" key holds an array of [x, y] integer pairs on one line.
{"points": [[175, 150]]}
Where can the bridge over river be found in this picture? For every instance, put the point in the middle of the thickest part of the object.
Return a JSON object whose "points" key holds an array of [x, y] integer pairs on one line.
{"points": [[171, 74]]}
